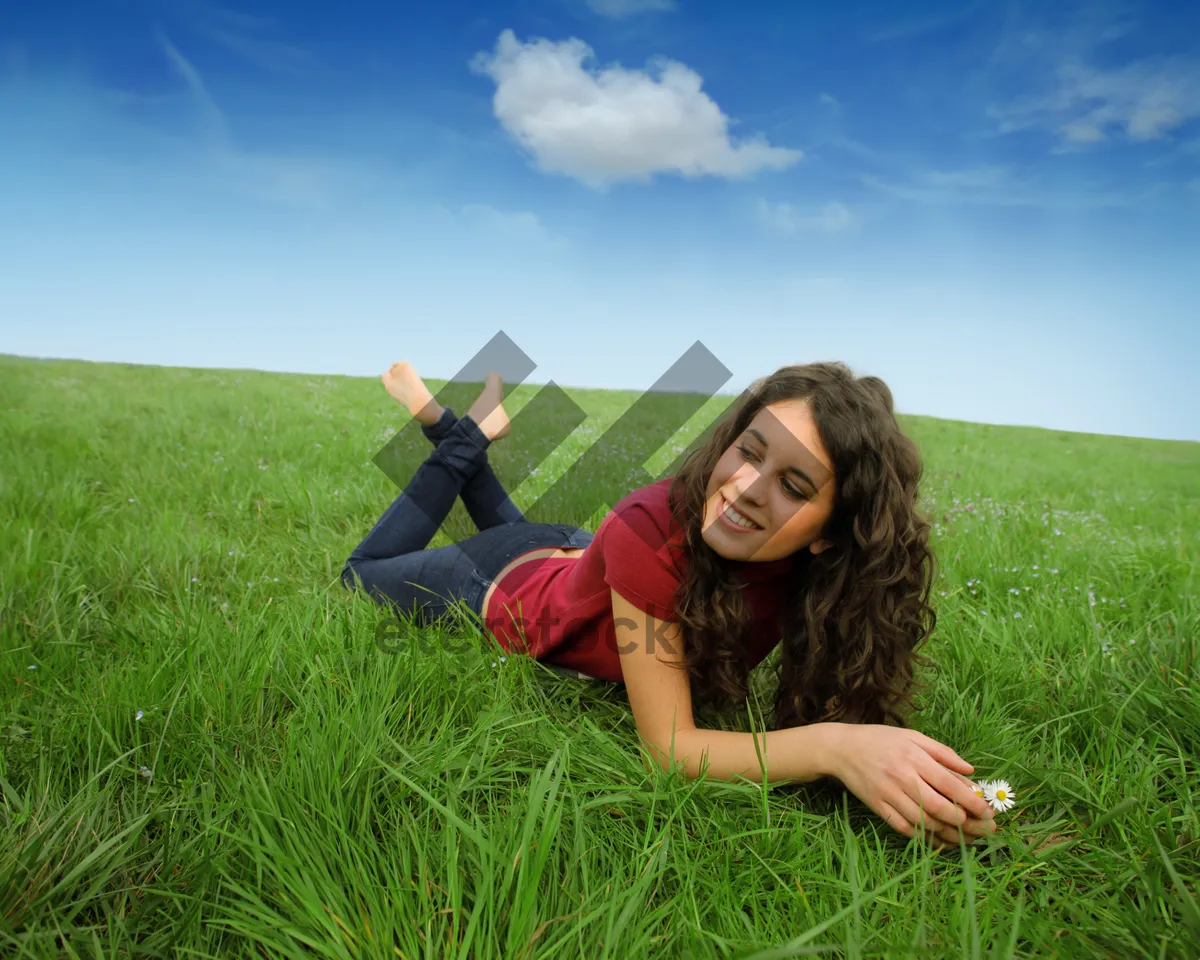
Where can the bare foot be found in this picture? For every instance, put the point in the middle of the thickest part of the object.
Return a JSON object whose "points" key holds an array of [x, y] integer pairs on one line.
{"points": [[402, 382], [487, 410]]}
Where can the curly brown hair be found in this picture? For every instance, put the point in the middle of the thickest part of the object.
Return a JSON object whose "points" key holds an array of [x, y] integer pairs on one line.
{"points": [[859, 609]]}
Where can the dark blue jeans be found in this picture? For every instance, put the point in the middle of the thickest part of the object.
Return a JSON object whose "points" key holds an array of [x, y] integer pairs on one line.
{"points": [[392, 563]]}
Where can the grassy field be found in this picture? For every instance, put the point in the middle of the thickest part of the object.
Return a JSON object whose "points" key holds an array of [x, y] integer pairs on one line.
{"points": [[206, 752]]}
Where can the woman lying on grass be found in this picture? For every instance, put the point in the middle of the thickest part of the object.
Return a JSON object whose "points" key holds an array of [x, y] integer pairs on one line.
{"points": [[796, 524]]}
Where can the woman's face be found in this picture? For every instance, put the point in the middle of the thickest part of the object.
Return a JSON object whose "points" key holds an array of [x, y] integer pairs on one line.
{"points": [[777, 475]]}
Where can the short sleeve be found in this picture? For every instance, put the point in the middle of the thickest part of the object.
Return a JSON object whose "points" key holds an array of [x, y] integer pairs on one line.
{"points": [[638, 561]]}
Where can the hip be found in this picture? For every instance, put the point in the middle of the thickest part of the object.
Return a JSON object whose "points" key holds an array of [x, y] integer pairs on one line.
{"points": [[498, 550]]}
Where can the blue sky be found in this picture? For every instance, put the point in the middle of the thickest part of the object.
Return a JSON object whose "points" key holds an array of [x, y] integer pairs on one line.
{"points": [[993, 206]]}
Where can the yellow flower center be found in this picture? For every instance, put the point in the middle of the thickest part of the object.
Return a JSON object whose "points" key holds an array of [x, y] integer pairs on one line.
{"points": [[1001, 794]]}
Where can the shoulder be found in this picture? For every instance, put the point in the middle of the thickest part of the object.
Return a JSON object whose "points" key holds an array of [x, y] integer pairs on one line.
{"points": [[645, 515], [642, 549]]}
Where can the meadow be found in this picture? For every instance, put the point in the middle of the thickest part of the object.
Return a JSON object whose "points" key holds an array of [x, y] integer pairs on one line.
{"points": [[206, 752]]}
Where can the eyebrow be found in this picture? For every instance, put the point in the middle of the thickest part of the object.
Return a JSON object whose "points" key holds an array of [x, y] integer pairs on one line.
{"points": [[796, 470]]}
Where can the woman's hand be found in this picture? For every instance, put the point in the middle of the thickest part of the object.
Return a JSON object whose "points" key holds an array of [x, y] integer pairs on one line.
{"points": [[899, 773]]}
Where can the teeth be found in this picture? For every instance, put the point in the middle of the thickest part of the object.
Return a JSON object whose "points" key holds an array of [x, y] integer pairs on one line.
{"points": [[737, 518]]}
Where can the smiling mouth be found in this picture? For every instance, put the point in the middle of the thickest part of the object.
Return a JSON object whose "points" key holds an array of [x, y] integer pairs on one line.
{"points": [[723, 514]]}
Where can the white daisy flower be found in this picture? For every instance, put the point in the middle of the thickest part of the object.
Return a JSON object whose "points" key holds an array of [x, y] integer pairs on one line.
{"points": [[999, 794], [980, 788]]}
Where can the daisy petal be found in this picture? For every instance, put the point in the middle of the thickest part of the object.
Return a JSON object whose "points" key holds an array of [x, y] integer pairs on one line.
{"points": [[999, 794]]}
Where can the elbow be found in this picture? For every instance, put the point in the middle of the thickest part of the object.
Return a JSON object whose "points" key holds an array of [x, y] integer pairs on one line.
{"points": [[667, 754], [655, 760]]}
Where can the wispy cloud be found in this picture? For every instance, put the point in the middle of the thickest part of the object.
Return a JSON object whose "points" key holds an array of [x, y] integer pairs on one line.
{"points": [[292, 180], [214, 119], [509, 226], [833, 217], [921, 26], [618, 9], [1071, 83], [615, 124], [992, 186], [245, 35], [970, 179], [1144, 100], [1072, 29], [855, 148]]}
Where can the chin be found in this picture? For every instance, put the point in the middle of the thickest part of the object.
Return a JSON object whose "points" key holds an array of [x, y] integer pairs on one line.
{"points": [[719, 550]]}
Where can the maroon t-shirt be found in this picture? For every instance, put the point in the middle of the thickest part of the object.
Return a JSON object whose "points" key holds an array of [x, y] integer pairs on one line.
{"points": [[560, 609]]}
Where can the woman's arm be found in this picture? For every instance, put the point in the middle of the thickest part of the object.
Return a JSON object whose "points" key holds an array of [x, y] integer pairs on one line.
{"points": [[894, 771], [661, 697]]}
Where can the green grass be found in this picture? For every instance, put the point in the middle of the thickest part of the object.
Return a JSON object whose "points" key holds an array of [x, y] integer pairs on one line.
{"points": [[172, 541]]}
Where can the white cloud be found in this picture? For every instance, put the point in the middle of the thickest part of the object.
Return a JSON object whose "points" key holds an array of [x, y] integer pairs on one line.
{"points": [[830, 101], [833, 217], [1144, 100], [614, 124], [617, 9]]}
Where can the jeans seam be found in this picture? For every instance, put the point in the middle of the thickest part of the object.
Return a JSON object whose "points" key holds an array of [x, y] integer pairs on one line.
{"points": [[476, 596]]}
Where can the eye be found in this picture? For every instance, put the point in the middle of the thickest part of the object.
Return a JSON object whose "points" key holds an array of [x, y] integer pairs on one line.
{"points": [[748, 454]]}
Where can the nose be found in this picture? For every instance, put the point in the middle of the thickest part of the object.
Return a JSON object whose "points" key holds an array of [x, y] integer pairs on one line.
{"points": [[745, 482]]}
